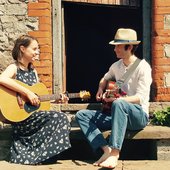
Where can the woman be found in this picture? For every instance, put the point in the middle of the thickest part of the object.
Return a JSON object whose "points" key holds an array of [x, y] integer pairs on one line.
{"points": [[44, 134]]}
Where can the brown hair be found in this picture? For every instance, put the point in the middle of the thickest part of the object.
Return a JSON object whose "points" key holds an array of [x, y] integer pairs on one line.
{"points": [[133, 49], [23, 40]]}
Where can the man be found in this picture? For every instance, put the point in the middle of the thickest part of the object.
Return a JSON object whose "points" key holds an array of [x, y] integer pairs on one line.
{"points": [[127, 112]]}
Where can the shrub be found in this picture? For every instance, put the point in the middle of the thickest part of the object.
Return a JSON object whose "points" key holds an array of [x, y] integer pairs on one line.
{"points": [[161, 117]]}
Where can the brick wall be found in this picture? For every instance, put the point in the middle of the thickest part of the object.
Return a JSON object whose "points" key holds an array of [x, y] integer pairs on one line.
{"points": [[32, 17], [161, 49], [42, 9]]}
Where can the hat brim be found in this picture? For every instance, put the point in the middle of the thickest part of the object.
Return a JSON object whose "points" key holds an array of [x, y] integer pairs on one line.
{"points": [[120, 42]]}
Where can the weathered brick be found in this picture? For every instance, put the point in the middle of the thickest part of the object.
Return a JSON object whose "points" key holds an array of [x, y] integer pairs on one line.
{"points": [[158, 76], [162, 97], [38, 6], [157, 47], [44, 41], [161, 40], [159, 25], [45, 27], [162, 10], [45, 56], [44, 70], [48, 84], [45, 49], [161, 3], [162, 61], [158, 18], [45, 20], [163, 32], [46, 77], [44, 63], [48, 1], [40, 34], [37, 13], [157, 54]]}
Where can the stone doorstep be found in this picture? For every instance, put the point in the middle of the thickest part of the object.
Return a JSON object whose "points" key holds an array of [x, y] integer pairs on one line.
{"points": [[71, 109], [159, 133], [154, 106], [149, 132], [84, 165]]}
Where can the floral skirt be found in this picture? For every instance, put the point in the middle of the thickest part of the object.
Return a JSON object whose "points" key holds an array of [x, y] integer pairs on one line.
{"points": [[43, 135]]}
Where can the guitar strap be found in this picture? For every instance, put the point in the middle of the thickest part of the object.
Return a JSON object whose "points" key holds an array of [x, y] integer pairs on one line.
{"points": [[128, 74]]}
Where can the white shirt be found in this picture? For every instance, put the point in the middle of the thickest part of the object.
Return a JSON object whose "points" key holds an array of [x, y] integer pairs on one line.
{"points": [[139, 83]]}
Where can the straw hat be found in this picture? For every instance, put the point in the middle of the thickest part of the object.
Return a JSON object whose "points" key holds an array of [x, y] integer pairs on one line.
{"points": [[125, 36]]}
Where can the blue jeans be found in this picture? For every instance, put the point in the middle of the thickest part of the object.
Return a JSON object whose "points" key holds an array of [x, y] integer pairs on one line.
{"points": [[123, 116]]}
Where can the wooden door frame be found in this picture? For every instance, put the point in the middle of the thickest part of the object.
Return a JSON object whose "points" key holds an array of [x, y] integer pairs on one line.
{"points": [[59, 57], [59, 70]]}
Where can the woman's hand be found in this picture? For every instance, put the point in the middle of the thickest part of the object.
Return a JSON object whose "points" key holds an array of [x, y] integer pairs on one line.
{"points": [[33, 98], [63, 98]]}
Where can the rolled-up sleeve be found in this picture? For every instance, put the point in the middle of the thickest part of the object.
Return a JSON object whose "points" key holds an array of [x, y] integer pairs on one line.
{"points": [[109, 75], [114, 72], [144, 83]]}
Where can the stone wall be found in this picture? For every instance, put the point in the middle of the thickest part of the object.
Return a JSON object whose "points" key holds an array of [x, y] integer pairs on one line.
{"points": [[34, 17], [31, 17], [14, 21]]}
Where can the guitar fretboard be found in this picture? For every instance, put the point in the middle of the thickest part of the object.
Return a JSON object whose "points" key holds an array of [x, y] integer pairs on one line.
{"points": [[57, 96]]}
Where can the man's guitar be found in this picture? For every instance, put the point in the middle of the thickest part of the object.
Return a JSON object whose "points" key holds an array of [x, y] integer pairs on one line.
{"points": [[16, 108], [112, 90]]}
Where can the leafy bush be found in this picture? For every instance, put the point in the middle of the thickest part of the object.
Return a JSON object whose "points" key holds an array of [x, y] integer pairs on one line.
{"points": [[161, 117]]}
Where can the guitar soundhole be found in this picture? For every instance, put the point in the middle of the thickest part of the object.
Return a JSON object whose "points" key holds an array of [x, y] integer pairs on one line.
{"points": [[30, 108]]}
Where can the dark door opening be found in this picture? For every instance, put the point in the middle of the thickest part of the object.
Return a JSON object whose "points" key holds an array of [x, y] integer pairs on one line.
{"points": [[88, 30]]}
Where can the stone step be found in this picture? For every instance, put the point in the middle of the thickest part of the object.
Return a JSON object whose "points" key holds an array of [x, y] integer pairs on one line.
{"points": [[85, 165]]}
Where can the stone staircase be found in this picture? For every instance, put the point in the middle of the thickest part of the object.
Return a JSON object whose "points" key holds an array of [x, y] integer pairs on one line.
{"points": [[152, 143]]}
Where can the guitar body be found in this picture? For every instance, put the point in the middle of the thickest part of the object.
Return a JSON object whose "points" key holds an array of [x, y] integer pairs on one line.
{"points": [[11, 111], [113, 91]]}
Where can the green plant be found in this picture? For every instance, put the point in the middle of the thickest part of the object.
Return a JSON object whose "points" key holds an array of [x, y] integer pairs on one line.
{"points": [[161, 117]]}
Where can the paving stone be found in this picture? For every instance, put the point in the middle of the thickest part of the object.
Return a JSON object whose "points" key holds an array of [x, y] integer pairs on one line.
{"points": [[87, 165]]}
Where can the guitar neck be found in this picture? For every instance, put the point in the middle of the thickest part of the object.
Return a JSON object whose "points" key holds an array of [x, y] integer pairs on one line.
{"points": [[57, 96], [73, 95]]}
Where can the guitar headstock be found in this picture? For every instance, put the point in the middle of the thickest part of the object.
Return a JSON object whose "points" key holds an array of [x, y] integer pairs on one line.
{"points": [[85, 95]]}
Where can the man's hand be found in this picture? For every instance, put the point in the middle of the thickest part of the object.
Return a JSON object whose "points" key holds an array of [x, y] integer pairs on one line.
{"points": [[108, 99], [99, 94]]}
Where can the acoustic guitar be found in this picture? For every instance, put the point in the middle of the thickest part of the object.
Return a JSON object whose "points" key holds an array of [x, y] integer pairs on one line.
{"points": [[112, 90], [16, 108]]}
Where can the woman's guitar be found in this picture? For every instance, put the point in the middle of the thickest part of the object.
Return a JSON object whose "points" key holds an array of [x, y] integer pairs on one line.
{"points": [[112, 90], [16, 108]]}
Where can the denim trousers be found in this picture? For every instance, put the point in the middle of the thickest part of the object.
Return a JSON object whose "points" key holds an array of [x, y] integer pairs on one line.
{"points": [[124, 115]]}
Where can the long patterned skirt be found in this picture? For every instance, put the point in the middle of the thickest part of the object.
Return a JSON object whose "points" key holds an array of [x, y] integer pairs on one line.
{"points": [[43, 135]]}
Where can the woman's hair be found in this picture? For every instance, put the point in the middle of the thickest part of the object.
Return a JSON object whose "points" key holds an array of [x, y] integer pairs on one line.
{"points": [[24, 40]]}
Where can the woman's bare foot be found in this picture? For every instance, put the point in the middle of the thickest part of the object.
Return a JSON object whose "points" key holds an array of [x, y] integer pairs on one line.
{"points": [[107, 150], [112, 160]]}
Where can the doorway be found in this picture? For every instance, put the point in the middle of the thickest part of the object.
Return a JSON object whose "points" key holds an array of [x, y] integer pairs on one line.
{"points": [[88, 30]]}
